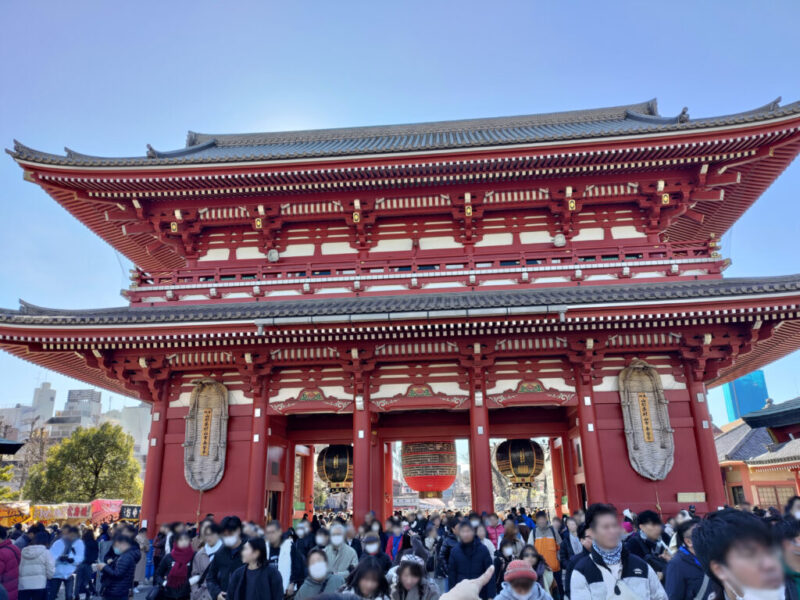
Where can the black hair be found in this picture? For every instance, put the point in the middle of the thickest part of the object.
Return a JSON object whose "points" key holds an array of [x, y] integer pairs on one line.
{"points": [[231, 523], [274, 523], [527, 548], [417, 571], [598, 510], [540, 514], [3, 532], [787, 528], [87, 536], [789, 503], [452, 523], [368, 566], [258, 544], [715, 535], [647, 517], [582, 529], [213, 528], [465, 523], [316, 550], [682, 529]]}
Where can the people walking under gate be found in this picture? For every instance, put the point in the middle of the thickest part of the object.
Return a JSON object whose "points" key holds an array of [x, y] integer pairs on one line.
{"points": [[282, 554], [469, 559], [494, 529], [610, 571], [35, 569], [341, 557], [511, 532], [227, 559], [448, 542], [320, 580], [305, 539]]}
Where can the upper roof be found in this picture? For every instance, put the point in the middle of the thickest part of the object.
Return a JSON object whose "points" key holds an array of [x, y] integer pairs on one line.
{"points": [[742, 443], [631, 119], [776, 415], [383, 308]]}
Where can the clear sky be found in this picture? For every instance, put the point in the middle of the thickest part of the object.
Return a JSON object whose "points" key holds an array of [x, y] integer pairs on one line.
{"points": [[110, 77]]}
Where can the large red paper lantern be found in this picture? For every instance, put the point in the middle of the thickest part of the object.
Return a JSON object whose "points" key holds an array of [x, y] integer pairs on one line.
{"points": [[429, 467]]}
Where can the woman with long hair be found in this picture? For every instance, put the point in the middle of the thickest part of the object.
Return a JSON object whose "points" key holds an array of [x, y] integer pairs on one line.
{"points": [[367, 581], [174, 570], [256, 579], [412, 582]]}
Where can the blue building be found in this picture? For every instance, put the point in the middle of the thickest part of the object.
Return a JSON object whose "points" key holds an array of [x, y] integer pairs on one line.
{"points": [[746, 394]]}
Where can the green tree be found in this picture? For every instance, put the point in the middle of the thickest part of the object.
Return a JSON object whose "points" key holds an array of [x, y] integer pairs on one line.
{"points": [[6, 493], [96, 462]]}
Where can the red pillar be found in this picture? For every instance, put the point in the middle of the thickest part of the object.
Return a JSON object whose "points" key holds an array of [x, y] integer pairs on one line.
{"points": [[480, 468], [592, 461], [308, 481], [704, 439], [287, 498], [557, 466], [259, 443], [154, 465], [797, 481], [573, 498], [361, 461], [388, 479]]}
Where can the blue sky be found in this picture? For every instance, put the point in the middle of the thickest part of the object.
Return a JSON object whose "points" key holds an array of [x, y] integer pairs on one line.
{"points": [[109, 77]]}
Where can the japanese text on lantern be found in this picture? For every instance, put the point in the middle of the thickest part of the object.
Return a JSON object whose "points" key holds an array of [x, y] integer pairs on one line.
{"points": [[205, 441], [647, 423]]}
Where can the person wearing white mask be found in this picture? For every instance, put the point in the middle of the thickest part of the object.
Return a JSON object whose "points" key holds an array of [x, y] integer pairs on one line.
{"points": [[341, 557], [793, 507], [738, 550], [227, 559], [305, 541], [320, 580], [321, 538], [202, 561], [372, 547]]}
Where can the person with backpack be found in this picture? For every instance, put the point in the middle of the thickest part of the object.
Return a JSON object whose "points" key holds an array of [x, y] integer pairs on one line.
{"points": [[319, 580], [547, 542]]}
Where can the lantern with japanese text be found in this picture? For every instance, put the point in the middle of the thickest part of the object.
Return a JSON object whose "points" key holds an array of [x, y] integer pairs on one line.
{"points": [[429, 467], [520, 461], [335, 467]]}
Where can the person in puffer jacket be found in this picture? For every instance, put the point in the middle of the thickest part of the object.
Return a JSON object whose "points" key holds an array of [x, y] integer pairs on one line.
{"points": [[35, 568], [9, 564], [520, 583], [116, 577]]}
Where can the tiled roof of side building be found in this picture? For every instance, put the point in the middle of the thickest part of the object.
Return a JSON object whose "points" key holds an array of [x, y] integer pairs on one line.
{"points": [[421, 306], [786, 452], [632, 119], [777, 415]]}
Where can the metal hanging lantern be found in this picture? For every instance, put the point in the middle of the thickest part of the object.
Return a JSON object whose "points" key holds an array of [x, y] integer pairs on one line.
{"points": [[335, 467], [429, 467], [520, 461]]}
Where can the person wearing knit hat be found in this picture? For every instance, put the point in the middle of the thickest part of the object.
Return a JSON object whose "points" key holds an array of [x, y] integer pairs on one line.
{"points": [[521, 583], [372, 547]]}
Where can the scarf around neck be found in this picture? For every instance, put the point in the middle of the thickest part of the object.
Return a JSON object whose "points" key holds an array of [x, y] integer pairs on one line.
{"points": [[179, 573], [610, 557]]}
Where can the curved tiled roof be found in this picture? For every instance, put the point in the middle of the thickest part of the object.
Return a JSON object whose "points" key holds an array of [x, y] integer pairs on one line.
{"points": [[742, 443], [502, 303], [777, 415], [642, 118]]}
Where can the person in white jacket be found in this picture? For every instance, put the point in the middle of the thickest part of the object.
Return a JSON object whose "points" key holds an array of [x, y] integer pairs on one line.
{"points": [[35, 568], [67, 552]]}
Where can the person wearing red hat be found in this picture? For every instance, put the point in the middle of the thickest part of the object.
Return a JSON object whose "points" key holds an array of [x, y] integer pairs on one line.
{"points": [[520, 583]]}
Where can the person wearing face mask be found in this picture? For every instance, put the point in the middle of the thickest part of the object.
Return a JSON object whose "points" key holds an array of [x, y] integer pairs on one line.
{"points": [[321, 537], [503, 557], [738, 550], [282, 555], [320, 580], [787, 533], [202, 561], [375, 527], [372, 549], [511, 532], [793, 507], [609, 570], [116, 576], [685, 578], [174, 571], [419, 524], [341, 557], [305, 539], [227, 559], [521, 583]]}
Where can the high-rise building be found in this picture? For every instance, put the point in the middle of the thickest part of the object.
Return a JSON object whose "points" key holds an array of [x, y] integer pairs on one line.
{"points": [[746, 394], [82, 409], [44, 401]]}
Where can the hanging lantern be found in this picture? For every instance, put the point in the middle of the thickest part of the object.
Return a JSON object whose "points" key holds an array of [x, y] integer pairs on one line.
{"points": [[520, 461], [335, 467], [429, 467]]}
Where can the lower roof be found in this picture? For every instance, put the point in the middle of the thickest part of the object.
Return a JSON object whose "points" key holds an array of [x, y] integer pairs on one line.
{"points": [[411, 305]]}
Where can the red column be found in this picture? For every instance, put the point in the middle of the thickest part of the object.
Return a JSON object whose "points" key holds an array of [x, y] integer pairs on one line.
{"points": [[557, 466], [480, 468], [797, 481], [361, 461], [573, 498], [592, 461], [308, 481], [154, 465], [388, 479], [704, 439], [287, 498], [259, 443]]}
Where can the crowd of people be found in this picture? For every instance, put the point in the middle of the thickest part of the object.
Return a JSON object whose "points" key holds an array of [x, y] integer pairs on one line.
{"points": [[742, 553]]}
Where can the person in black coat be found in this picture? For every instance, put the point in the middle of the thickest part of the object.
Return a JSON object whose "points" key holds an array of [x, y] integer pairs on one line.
{"points": [[174, 570], [227, 559], [372, 548], [647, 543], [305, 539], [685, 577], [255, 579], [585, 536], [83, 573], [448, 541], [469, 559], [351, 539], [117, 576]]}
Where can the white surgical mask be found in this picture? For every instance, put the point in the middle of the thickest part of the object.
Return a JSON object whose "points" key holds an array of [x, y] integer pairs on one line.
{"points": [[337, 540], [372, 548], [318, 570], [742, 592], [508, 551], [212, 549], [796, 514], [474, 522], [376, 527], [230, 540], [300, 531], [519, 596], [320, 540]]}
